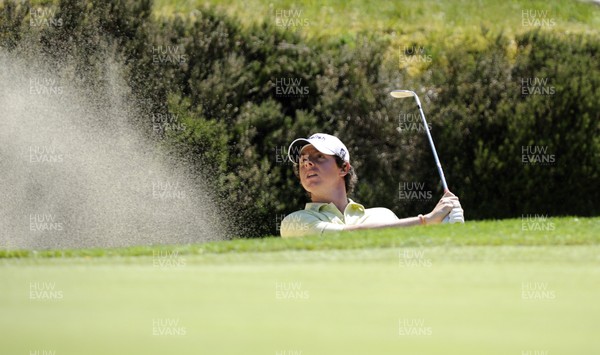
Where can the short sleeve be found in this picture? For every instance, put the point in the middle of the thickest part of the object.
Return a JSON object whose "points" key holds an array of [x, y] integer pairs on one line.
{"points": [[303, 223], [379, 215]]}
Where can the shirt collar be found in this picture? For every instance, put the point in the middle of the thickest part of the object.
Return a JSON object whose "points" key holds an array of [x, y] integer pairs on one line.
{"points": [[318, 206]]}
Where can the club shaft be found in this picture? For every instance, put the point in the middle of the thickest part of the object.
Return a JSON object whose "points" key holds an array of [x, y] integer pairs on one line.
{"points": [[435, 155]]}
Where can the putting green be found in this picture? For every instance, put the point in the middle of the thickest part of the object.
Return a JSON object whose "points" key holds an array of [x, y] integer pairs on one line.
{"points": [[431, 300]]}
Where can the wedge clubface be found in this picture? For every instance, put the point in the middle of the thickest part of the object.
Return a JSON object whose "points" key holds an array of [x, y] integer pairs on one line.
{"points": [[400, 94]]}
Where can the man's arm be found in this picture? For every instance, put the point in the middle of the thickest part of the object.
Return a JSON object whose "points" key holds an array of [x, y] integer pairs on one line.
{"points": [[441, 210], [302, 223], [404, 222]]}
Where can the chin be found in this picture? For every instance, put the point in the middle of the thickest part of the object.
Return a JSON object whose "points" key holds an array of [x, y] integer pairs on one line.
{"points": [[309, 188]]}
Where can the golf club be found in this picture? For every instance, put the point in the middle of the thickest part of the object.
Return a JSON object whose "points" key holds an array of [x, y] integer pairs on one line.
{"points": [[400, 94]]}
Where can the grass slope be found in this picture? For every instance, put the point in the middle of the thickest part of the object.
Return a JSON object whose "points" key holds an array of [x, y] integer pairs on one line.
{"points": [[414, 27], [341, 18], [550, 231], [482, 288]]}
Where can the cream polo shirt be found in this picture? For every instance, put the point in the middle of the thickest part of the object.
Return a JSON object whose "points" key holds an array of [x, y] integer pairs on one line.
{"points": [[320, 218]]}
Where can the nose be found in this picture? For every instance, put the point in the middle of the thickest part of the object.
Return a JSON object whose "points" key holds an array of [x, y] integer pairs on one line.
{"points": [[306, 161]]}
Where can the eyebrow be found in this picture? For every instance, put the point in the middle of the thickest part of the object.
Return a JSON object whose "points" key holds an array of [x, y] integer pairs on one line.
{"points": [[308, 147], [308, 152]]}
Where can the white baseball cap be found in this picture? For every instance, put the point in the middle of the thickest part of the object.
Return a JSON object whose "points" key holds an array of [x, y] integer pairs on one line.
{"points": [[324, 143]]}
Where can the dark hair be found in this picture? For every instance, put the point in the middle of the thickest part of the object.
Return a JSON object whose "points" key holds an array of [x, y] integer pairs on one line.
{"points": [[350, 179]]}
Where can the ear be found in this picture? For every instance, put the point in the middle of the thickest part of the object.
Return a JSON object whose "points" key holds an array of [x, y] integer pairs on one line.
{"points": [[344, 169]]}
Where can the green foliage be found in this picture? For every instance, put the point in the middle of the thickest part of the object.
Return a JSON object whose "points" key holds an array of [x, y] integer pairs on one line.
{"points": [[222, 88], [488, 111], [344, 18], [11, 19], [567, 122]]}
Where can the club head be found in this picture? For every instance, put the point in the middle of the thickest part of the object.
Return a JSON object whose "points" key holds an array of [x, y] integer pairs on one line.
{"points": [[400, 94]]}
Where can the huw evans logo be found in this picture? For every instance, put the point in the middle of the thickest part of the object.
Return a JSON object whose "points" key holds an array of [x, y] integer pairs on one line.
{"points": [[281, 154], [167, 326], [536, 18], [167, 190], [44, 222], [45, 155], [44, 86], [44, 17], [167, 122], [414, 327], [292, 222], [290, 87], [44, 291], [537, 155], [413, 191], [414, 54], [168, 54], [411, 121], [413, 258], [536, 223], [288, 18], [536, 86], [290, 290], [536, 291], [167, 259]]}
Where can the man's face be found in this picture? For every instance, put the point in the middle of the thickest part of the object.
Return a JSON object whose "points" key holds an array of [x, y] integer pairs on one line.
{"points": [[319, 172]]}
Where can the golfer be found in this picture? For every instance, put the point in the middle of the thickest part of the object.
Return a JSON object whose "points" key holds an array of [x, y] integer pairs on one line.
{"points": [[322, 163]]}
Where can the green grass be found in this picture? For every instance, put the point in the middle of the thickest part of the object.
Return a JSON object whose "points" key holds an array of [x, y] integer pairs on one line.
{"points": [[564, 231], [341, 18], [431, 26], [471, 286]]}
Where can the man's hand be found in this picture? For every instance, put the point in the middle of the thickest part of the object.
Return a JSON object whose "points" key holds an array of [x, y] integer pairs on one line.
{"points": [[455, 216], [449, 206]]}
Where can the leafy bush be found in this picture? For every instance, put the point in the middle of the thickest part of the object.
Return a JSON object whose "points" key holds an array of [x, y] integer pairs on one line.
{"points": [[223, 83], [522, 137]]}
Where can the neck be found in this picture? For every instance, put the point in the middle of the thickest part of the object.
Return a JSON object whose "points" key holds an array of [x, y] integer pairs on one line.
{"points": [[336, 196]]}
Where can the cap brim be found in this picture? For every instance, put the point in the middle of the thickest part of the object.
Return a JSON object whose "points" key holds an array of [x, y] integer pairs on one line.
{"points": [[299, 144], [295, 149]]}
